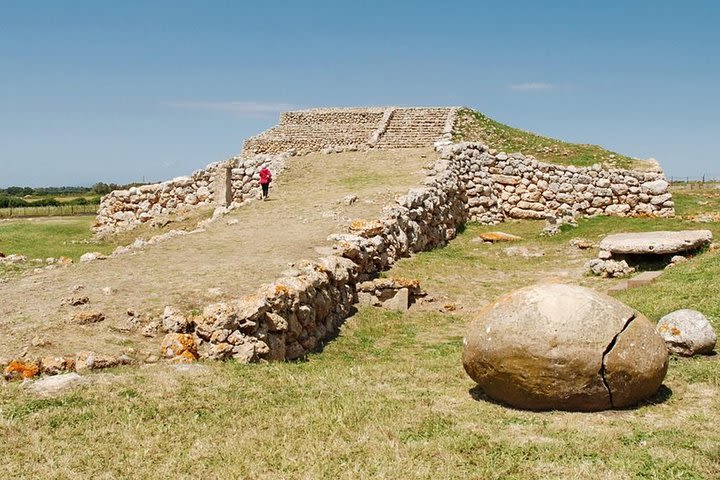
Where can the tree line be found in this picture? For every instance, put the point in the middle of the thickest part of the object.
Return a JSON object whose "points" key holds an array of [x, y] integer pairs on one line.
{"points": [[13, 197]]}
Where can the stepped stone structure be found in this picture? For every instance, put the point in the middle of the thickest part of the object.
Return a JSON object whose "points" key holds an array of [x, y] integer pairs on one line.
{"points": [[498, 185], [338, 129]]}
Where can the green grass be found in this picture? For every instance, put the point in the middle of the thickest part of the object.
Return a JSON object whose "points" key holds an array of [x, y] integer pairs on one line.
{"points": [[474, 126], [49, 211], [388, 398], [50, 237]]}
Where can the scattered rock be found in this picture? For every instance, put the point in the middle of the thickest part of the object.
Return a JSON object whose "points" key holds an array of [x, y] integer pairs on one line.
{"points": [[152, 359], [564, 347], [85, 317], [214, 292], [91, 256], [350, 199], [609, 268], [400, 302], [107, 291], [151, 329], [677, 259], [54, 385], [233, 221], [180, 347], [75, 301], [582, 243], [88, 360], [39, 342], [21, 370], [56, 365], [687, 333], [175, 321], [495, 237], [13, 259]]}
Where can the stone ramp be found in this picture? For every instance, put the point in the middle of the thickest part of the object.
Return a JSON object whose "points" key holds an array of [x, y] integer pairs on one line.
{"points": [[226, 261], [315, 130], [414, 127]]}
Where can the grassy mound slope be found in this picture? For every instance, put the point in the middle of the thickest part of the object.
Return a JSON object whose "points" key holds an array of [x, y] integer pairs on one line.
{"points": [[475, 127]]}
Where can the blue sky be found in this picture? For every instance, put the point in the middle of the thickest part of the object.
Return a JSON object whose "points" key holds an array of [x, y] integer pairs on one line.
{"points": [[125, 91]]}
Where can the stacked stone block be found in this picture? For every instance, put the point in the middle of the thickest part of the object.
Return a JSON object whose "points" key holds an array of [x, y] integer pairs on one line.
{"points": [[503, 186], [339, 129], [220, 184]]}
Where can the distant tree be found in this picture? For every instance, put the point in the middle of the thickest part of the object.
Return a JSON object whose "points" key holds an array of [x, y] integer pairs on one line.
{"points": [[101, 188]]}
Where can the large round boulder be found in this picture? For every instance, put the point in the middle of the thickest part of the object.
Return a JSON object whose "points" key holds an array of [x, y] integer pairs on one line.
{"points": [[564, 347], [687, 332]]}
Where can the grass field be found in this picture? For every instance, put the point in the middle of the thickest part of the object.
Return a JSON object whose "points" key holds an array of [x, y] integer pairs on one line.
{"points": [[50, 237], [388, 398], [474, 126], [49, 211]]}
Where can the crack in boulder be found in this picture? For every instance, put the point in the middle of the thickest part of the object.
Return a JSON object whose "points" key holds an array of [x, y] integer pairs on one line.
{"points": [[608, 349]]}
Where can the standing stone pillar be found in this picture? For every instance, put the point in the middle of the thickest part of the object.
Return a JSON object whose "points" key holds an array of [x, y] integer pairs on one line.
{"points": [[223, 186]]}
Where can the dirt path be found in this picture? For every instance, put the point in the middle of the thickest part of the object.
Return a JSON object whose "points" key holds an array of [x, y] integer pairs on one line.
{"points": [[305, 206]]}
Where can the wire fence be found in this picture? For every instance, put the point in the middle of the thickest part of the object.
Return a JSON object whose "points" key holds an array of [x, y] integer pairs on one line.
{"points": [[50, 211], [706, 181]]}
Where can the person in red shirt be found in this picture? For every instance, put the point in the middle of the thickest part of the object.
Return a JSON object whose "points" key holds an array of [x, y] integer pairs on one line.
{"points": [[265, 179]]}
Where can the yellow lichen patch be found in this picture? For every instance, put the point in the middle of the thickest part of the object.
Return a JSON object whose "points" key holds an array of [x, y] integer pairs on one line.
{"points": [[402, 282], [17, 370], [675, 331], [281, 290], [498, 237], [180, 347]]}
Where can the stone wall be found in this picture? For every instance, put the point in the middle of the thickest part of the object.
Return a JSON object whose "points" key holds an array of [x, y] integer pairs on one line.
{"points": [[338, 129], [501, 186], [303, 308], [220, 184]]}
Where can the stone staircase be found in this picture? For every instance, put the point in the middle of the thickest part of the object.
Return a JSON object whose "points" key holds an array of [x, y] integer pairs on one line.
{"points": [[338, 129], [414, 127]]}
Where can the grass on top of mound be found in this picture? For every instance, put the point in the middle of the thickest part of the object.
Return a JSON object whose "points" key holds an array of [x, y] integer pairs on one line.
{"points": [[475, 127]]}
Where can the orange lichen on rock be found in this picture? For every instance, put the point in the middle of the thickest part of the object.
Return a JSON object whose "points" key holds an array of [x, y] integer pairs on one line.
{"points": [[498, 237], [281, 290], [365, 228], [402, 282], [180, 347], [18, 370]]}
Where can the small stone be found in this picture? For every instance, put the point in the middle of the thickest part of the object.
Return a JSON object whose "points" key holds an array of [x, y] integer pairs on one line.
{"points": [[151, 329], [88, 360], [175, 321], [85, 317], [75, 301], [494, 237], [687, 333], [152, 359], [91, 256], [400, 302], [180, 347], [39, 342], [21, 370], [57, 384]]}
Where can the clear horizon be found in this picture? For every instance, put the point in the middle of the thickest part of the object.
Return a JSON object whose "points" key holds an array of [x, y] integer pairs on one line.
{"points": [[105, 92]]}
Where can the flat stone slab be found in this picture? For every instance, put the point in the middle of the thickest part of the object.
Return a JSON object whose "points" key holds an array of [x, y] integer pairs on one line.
{"points": [[659, 243], [57, 384], [644, 278]]}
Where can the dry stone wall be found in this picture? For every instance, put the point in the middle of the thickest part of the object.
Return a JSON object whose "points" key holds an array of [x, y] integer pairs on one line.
{"points": [[220, 184], [340, 129], [303, 308], [501, 186]]}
